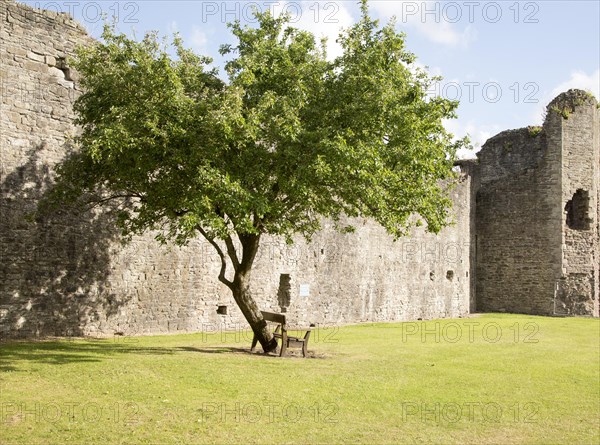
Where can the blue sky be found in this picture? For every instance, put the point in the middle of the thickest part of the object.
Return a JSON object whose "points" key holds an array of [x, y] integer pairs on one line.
{"points": [[505, 60]]}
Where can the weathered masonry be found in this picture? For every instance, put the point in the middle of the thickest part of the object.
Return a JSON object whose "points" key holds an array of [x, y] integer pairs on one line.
{"points": [[537, 214], [69, 274], [525, 237]]}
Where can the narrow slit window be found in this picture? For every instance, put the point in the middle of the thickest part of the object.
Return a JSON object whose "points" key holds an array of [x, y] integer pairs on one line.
{"points": [[284, 291]]}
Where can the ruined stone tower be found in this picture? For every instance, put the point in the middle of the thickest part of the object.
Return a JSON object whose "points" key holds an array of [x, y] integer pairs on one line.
{"points": [[536, 213]]}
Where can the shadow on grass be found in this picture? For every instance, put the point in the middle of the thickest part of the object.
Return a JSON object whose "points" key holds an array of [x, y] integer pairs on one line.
{"points": [[16, 354], [217, 350], [291, 353]]}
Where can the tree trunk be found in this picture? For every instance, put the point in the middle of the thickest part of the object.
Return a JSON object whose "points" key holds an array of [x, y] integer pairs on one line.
{"points": [[243, 298], [240, 286]]}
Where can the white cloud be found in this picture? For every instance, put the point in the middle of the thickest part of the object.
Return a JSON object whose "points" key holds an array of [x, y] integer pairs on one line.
{"points": [[432, 70], [172, 27], [443, 33], [427, 18], [322, 19], [478, 134], [579, 79], [198, 40]]}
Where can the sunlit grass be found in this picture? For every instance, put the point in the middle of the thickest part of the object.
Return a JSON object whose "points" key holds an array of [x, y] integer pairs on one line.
{"points": [[489, 379]]}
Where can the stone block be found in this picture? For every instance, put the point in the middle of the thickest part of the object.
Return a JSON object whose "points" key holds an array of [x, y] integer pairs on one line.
{"points": [[35, 66], [35, 56]]}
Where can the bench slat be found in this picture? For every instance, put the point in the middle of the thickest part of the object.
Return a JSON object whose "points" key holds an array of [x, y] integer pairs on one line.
{"points": [[276, 318]]}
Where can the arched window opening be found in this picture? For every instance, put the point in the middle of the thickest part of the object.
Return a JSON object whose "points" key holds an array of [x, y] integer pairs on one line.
{"points": [[578, 211]]}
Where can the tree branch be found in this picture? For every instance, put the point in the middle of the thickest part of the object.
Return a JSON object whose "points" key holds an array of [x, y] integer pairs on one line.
{"points": [[228, 241], [222, 277], [93, 203], [250, 245], [232, 253]]}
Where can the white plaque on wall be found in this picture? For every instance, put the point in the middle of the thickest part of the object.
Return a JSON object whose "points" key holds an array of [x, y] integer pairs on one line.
{"points": [[304, 290]]}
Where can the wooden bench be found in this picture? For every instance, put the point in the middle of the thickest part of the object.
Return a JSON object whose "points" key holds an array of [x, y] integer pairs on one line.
{"points": [[282, 333]]}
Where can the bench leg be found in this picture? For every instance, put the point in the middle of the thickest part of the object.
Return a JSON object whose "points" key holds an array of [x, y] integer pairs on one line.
{"points": [[284, 342], [304, 349], [254, 341]]}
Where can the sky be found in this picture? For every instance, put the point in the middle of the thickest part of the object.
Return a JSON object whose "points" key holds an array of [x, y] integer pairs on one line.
{"points": [[504, 61]]}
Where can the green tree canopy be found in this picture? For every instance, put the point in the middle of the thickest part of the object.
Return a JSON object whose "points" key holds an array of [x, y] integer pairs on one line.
{"points": [[288, 139]]}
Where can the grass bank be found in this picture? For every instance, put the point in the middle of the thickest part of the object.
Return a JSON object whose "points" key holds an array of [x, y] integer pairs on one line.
{"points": [[490, 379]]}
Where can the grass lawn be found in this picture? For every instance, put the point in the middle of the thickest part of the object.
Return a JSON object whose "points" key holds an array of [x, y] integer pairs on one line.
{"points": [[493, 379]]}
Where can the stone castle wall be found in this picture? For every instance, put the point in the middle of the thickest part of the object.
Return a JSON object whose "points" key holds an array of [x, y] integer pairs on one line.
{"points": [[517, 234], [525, 237], [528, 258], [67, 274]]}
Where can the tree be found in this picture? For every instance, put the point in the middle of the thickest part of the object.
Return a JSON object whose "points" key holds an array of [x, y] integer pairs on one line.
{"points": [[290, 138]]}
